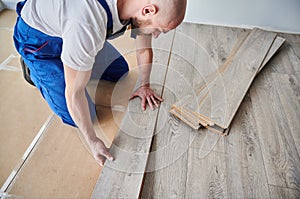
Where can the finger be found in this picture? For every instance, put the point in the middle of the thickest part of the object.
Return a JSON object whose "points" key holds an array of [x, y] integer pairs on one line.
{"points": [[154, 100], [133, 96], [159, 98], [150, 103], [144, 104], [100, 160], [108, 156]]}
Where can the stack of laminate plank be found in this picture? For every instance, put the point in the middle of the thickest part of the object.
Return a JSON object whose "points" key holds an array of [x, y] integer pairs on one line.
{"points": [[218, 99]]}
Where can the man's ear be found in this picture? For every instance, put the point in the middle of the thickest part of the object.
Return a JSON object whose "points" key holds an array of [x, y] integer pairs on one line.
{"points": [[149, 9]]}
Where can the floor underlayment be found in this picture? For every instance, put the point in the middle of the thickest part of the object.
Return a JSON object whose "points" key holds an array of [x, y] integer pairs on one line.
{"points": [[258, 159]]}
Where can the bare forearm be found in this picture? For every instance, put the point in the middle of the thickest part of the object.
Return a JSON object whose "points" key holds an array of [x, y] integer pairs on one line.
{"points": [[78, 107], [144, 58]]}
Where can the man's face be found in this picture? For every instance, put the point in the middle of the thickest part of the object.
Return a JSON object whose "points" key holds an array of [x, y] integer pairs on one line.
{"points": [[148, 27]]}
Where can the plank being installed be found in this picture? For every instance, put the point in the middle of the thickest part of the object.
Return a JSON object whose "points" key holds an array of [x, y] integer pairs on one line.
{"points": [[219, 99], [167, 164], [123, 177]]}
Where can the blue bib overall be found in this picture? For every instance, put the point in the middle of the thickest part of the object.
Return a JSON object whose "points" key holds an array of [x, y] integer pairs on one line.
{"points": [[41, 53]]}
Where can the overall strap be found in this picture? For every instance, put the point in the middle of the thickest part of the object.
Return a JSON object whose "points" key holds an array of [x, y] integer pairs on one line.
{"points": [[19, 7], [109, 17]]}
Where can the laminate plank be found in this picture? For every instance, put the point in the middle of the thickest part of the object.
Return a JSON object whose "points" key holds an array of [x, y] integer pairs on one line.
{"points": [[293, 50], [281, 158], [216, 99], [219, 43], [196, 120], [246, 176], [278, 42], [288, 87], [123, 177], [282, 192], [206, 177], [210, 46], [226, 93], [287, 60], [167, 165]]}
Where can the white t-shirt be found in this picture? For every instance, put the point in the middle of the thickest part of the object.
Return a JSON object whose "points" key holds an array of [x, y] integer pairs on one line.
{"points": [[82, 24]]}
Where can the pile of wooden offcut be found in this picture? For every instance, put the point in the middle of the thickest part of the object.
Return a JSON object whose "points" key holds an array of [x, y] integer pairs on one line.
{"points": [[218, 99]]}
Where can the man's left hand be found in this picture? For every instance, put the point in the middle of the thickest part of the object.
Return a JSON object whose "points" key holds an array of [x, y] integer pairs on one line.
{"points": [[148, 97]]}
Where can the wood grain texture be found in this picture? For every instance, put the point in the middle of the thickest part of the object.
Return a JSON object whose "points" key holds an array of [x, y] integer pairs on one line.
{"points": [[279, 152], [214, 46], [278, 42], [167, 165], [281, 192], [246, 176], [123, 177], [226, 92], [219, 88], [206, 177], [211, 46], [287, 60], [289, 88], [293, 52], [219, 43]]}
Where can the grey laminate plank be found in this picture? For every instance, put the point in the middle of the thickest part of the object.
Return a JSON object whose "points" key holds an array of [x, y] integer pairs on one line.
{"points": [[167, 164], [288, 87], [282, 192], [213, 45], [206, 177], [278, 42], [219, 43], [281, 158], [246, 176], [293, 51], [287, 60], [124, 176], [227, 91], [190, 63]]}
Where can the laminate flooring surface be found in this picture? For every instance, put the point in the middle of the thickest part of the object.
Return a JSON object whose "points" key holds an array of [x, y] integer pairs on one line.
{"points": [[260, 156]]}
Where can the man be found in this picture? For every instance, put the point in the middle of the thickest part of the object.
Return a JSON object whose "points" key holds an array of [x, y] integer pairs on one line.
{"points": [[62, 44]]}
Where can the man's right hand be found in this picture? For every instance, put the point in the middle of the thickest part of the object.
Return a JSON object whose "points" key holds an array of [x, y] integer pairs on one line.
{"points": [[99, 151]]}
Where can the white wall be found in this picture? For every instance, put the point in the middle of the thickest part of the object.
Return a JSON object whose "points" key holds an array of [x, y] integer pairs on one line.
{"points": [[277, 15]]}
